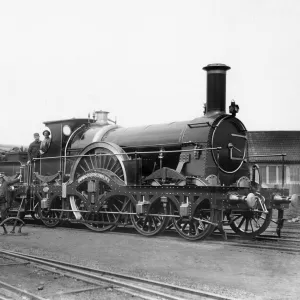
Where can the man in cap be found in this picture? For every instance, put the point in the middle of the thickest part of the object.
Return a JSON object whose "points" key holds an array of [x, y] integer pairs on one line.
{"points": [[34, 148], [46, 142], [4, 184]]}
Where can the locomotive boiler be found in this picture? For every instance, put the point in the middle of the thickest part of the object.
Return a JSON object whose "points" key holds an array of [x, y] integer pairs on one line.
{"points": [[192, 176], [225, 134]]}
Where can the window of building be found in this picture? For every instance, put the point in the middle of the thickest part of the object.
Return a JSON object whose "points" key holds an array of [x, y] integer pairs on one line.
{"points": [[263, 174], [295, 173], [280, 174], [272, 174]]}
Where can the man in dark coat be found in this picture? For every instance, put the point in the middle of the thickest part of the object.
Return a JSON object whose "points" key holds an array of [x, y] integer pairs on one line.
{"points": [[4, 184], [34, 148]]}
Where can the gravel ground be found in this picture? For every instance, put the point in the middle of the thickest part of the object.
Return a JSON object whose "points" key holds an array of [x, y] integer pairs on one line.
{"points": [[217, 268]]}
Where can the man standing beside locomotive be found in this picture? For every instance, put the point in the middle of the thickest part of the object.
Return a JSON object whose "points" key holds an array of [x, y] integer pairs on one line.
{"points": [[45, 144], [4, 184], [34, 148]]}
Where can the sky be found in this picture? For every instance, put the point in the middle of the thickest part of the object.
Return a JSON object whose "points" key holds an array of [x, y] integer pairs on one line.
{"points": [[142, 61]]}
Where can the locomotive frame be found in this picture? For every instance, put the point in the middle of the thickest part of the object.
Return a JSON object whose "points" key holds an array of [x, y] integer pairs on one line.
{"points": [[100, 175]]}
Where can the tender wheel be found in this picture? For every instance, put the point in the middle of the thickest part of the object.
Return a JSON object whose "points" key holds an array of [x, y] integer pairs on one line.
{"points": [[154, 221], [49, 217], [193, 228], [249, 224]]}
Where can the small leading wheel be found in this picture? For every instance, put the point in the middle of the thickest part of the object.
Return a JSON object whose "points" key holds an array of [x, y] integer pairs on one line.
{"points": [[249, 224], [49, 216], [195, 228], [155, 221]]}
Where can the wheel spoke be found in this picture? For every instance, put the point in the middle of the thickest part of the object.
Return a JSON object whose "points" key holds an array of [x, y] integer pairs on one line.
{"points": [[251, 225], [236, 218], [115, 163], [243, 220], [184, 226], [154, 224], [119, 171], [116, 208], [246, 226], [84, 170], [91, 162], [196, 228]]}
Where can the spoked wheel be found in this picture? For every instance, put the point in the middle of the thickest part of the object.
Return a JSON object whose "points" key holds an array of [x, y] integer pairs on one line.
{"points": [[12, 225], [101, 155], [154, 221], [50, 217], [196, 228], [101, 214], [103, 217], [249, 224]]}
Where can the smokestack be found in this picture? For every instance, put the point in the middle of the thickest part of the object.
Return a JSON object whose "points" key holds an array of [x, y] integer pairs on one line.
{"points": [[216, 88]]}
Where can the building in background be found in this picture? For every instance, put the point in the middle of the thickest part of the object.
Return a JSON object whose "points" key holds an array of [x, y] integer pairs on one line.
{"points": [[277, 142]]}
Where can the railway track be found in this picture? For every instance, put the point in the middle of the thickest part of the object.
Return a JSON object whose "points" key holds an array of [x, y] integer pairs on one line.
{"points": [[134, 286], [289, 241]]}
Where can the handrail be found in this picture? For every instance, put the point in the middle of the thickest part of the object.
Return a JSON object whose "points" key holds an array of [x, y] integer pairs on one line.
{"points": [[267, 155], [71, 136], [136, 152]]}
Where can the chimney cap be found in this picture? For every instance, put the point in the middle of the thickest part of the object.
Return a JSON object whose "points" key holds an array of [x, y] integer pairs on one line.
{"points": [[211, 67]]}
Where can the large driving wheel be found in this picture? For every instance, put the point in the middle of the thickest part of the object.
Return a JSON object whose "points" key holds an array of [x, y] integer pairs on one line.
{"points": [[103, 213], [101, 155]]}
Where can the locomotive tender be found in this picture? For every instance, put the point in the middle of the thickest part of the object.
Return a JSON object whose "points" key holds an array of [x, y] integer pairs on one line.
{"points": [[192, 175]]}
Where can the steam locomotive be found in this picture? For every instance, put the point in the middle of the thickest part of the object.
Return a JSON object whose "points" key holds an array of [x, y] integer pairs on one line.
{"points": [[192, 176]]}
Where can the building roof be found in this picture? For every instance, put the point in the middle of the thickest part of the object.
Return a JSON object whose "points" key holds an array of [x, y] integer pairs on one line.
{"points": [[274, 142]]}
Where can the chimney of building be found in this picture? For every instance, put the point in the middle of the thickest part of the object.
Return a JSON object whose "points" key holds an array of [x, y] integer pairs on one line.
{"points": [[216, 88]]}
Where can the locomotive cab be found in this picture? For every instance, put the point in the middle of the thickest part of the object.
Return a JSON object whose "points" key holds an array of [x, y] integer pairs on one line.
{"points": [[61, 132]]}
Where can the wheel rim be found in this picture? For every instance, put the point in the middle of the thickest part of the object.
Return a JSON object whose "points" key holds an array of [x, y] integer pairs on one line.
{"points": [[193, 228], [151, 225]]}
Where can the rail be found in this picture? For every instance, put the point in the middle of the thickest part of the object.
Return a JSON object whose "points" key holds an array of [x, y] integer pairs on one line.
{"points": [[147, 288]]}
